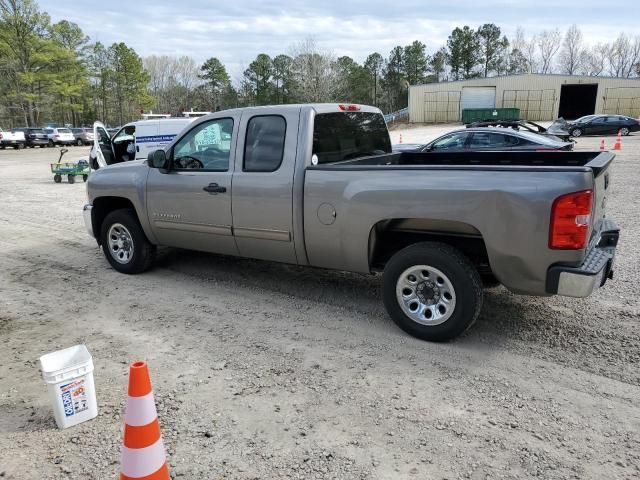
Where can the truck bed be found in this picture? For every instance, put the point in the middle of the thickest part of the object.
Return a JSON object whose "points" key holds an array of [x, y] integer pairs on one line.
{"points": [[595, 161]]}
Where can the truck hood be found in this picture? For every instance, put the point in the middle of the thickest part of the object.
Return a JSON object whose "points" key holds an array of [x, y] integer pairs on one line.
{"points": [[129, 164]]}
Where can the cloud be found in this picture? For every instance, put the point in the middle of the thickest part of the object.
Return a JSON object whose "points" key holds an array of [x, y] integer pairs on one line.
{"points": [[236, 32]]}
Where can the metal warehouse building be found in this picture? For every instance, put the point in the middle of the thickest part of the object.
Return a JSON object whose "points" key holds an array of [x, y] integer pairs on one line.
{"points": [[539, 97]]}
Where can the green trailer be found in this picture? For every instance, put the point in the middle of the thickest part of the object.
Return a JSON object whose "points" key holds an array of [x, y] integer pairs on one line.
{"points": [[70, 169], [471, 115]]}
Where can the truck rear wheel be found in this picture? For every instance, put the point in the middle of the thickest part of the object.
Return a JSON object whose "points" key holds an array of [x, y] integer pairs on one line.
{"points": [[432, 291], [124, 243]]}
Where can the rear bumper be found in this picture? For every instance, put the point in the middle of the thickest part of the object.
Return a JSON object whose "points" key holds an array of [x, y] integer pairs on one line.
{"points": [[86, 214], [596, 269], [11, 141]]}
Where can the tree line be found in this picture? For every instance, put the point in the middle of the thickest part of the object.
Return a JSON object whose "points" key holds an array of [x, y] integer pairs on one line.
{"points": [[53, 72]]}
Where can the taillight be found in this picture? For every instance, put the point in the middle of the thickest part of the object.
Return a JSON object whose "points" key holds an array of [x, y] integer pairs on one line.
{"points": [[570, 221], [349, 108]]}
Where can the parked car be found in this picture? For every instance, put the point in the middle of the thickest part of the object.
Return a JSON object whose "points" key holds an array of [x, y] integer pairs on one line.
{"points": [[12, 138], [487, 138], [34, 137], [60, 136], [318, 185], [557, 130], [82, 136], [603, 125]]}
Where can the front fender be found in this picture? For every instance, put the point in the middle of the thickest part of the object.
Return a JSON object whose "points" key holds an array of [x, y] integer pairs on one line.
{"points": [[124, 181]]}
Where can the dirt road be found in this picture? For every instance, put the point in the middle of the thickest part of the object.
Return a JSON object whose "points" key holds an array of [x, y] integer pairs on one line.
{"points": [[263, 370]]}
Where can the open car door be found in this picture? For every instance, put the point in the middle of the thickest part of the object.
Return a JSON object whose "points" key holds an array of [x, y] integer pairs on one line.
{"points": [[102, 151]]}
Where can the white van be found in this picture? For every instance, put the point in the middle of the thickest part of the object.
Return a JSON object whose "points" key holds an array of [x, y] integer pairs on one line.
{"points": [[134, 141]]}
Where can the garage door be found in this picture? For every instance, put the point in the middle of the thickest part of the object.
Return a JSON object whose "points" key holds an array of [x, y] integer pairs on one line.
{"points": [[478, 97]]}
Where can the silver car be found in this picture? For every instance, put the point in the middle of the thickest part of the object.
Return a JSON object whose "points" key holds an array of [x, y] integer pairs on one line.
{"points": [[82, 136], [59, 136]]}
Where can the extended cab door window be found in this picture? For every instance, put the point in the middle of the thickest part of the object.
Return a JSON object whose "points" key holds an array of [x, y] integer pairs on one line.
{"points": [[264, 146], [207, 147]]}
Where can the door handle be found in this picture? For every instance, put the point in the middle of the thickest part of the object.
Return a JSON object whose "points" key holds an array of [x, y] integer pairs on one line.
{"points": [[214, 188]]}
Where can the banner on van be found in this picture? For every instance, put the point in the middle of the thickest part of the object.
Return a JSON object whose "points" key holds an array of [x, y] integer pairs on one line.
{"points": [[155, 139]]}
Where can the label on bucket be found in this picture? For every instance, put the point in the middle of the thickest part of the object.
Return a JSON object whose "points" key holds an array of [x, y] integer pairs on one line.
{"points": [[74, 398]]}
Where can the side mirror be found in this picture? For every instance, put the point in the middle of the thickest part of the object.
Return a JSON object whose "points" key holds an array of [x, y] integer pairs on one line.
{"points": [[158, 159]]}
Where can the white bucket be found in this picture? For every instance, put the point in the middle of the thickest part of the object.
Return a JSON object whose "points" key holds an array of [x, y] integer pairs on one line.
{"points": [[69, 377]]}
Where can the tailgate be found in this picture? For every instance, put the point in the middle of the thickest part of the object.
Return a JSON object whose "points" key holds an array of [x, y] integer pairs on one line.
{"points": [[601, 173]]}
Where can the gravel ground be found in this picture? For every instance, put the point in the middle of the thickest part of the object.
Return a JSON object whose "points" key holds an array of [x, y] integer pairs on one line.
{"points": [[263, 370]]}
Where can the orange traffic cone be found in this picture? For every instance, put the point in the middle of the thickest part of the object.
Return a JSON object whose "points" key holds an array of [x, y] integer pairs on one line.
{"points": [[602, 145], [400, 138], [618, 145], [143, 453]]}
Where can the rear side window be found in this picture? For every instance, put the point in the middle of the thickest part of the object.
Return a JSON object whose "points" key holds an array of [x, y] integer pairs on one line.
{"points": [[493, 140], [264, 145], [347, 135]]}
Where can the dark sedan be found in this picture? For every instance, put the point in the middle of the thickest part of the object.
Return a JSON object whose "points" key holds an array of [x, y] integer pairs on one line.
{"points": [[557, 129], [34, 137], [487, 138], [603, 125]]}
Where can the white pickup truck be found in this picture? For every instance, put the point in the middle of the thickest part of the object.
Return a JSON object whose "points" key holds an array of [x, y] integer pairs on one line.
{"points": [[11, 138]]}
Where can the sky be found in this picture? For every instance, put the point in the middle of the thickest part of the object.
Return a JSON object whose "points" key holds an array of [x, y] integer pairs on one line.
{"points": [[236, 31]]}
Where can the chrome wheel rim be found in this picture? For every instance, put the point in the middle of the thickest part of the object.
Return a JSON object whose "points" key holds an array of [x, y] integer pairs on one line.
{"points": [[426, 295], [624, 131], [577, 132], [120, 243]]}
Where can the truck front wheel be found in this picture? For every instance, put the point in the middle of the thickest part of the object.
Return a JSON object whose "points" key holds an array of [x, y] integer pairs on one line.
{"points": [[432, 291], [124, 243]]}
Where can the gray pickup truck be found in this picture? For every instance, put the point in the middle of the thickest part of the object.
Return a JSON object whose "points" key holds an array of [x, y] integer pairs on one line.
{"points": [[318, 185]]}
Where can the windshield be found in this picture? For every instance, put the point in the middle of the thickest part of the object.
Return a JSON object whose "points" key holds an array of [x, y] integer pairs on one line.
{"points": [[344, 136], [37, 130]]}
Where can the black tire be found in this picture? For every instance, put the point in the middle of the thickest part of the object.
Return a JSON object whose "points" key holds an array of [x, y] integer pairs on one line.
{"points": [[624, 131], [21, 146], [576, 132], [57, 178], [143, 251], [42, 146], [85, 178], [460, 272], [71, 178], [51, 144], [79, 142]]}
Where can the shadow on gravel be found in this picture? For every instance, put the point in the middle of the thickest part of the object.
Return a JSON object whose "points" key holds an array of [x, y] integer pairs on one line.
{"points": [[541, 327], [354, 291]]}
